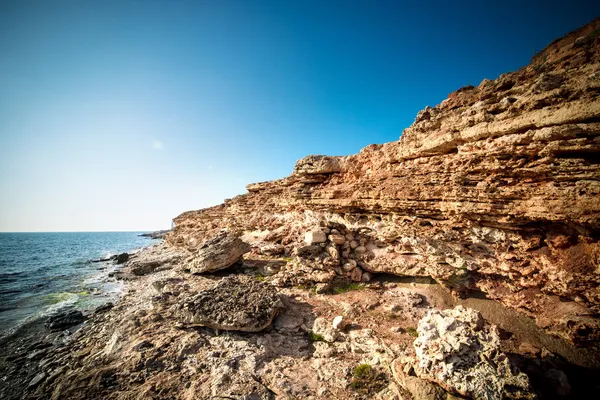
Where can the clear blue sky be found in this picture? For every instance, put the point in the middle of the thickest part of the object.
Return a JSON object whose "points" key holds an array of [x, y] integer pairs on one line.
{"points": [[119, 115]]}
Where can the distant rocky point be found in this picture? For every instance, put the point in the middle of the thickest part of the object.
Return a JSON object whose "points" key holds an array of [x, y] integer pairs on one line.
{"points": [[156, 235]]}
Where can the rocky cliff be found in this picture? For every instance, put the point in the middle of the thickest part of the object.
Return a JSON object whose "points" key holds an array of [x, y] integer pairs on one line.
{"points": [[494, 190]]}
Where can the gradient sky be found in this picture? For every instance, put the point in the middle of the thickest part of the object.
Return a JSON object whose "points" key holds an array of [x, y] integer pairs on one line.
{"points": [[119, 115]]}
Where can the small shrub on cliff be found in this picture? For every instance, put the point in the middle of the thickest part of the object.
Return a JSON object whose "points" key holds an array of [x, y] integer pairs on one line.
{"points": [[362, 371], [365, 379], [348, 287], [260, 277], [315, 337], [412, 331]]}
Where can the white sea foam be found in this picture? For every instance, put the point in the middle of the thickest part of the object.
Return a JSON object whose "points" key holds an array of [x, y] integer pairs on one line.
{"points": [[70, 300]]}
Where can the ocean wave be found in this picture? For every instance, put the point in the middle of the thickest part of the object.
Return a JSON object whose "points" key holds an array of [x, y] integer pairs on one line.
{"points": [[10, 291], [59, 301], [10, 277]]}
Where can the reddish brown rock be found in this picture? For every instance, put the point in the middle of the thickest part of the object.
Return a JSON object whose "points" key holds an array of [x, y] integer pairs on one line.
{"points": [[495, 189]]}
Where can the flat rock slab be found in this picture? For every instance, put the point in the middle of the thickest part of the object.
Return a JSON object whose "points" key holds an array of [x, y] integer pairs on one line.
{"points": [[220, 252], [156, 258], [236, 303]]}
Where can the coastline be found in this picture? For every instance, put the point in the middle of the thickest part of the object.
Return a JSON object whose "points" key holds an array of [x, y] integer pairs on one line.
{"points": [[30, 339], [141, 348], [458, 262]]}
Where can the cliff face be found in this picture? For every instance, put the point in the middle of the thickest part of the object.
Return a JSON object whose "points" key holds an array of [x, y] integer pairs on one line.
{"points": [[496, 189]]}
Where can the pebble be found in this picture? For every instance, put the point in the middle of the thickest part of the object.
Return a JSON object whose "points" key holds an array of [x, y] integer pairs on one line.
{"points": [[39, 378], [338, 322]]}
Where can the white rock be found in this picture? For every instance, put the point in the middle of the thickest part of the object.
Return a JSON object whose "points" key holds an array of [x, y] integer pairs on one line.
{"points": [[456, 349], [339, 323], [313, 237], [322, 327]]}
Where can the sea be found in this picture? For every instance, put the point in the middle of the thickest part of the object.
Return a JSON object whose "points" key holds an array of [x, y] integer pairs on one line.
{"points": [[44, 273]]}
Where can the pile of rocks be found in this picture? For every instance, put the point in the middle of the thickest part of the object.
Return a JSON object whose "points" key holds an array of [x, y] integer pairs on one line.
{"points": [[338, 249]]}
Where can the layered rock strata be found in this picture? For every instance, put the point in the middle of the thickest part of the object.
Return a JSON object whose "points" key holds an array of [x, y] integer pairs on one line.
{"points": [[495, 189]]}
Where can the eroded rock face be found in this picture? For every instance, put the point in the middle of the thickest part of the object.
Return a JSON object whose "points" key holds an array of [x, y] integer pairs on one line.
{"points": [[236, 303], [494, 189], [317, 164], [458, 351], [219, 252]]}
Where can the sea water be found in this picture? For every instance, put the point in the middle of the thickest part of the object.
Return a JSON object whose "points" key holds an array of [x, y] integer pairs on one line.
{"points": [[44, 273]]}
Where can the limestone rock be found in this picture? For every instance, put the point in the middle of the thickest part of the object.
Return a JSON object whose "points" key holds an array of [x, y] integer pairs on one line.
{"points": [[337, 238], [339, 322], [323, 327], [458, 351], [314, 237], [159, 258], [237, 303], [220, 252], [316, 164]]}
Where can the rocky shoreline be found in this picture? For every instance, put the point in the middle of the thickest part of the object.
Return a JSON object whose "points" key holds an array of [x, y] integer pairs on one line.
{"points": [[459, 262], [314, 342]]}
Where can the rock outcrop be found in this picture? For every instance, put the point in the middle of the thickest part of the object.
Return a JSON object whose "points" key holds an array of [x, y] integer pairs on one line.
{"points": [[236, 303], [157, 258], [495, 189], [456, 350], [219, 252]]}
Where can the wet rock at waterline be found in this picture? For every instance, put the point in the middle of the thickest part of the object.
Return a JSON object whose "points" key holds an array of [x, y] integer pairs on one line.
{"points": [[64, 320]]}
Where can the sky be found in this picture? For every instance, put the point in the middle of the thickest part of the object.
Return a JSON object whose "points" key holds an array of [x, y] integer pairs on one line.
{"points": [[120, 115]]}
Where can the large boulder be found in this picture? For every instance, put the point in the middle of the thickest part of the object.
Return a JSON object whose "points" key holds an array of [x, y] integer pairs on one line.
{"points": [[457, 350], [236, 303], [220, 252]]}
